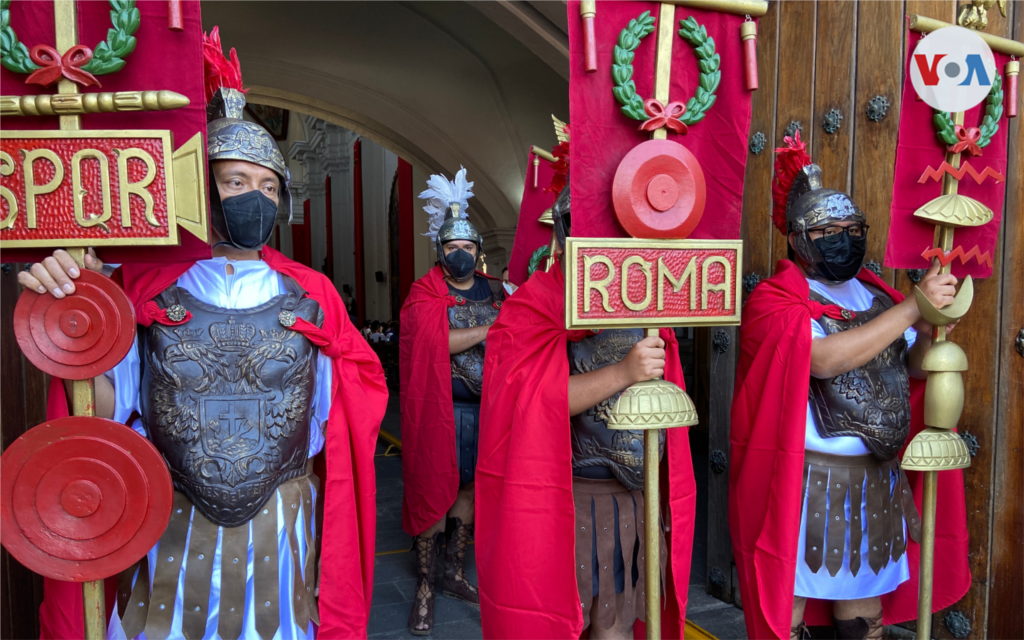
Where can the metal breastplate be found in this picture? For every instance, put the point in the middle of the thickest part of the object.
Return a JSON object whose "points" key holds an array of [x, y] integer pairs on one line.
{"points": [[593, 443], [226, 399], [468, 366], [872, 401]]}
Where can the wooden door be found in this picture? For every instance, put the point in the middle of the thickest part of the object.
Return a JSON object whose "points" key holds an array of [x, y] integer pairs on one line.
{"points": [[22, 406], [814, 57]]}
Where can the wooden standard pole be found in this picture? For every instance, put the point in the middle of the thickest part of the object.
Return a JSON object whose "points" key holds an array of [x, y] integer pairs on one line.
{"points": [[944, 240], [83, 398]]}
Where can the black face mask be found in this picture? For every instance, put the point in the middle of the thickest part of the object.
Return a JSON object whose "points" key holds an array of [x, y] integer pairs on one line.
{"points": [[461, 264], [245, 221], [841, 256]]}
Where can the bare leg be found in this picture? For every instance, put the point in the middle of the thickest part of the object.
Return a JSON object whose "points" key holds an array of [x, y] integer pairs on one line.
{"points": [[858, 618], [619, 630], [463, 507], [797, 628]]}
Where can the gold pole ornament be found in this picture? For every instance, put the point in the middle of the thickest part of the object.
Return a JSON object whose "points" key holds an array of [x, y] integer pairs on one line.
{"points": [[542, 153], [651, 406], [924, 24], [79, 103], [937, 447], [753, 8]]}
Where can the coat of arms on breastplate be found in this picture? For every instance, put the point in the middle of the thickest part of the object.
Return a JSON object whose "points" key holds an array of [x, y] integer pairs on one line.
{"points": [[231, 402]]}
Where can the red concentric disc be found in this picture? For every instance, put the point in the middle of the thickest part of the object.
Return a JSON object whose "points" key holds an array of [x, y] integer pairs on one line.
{"points": [[79, 336], [659, 191], [82, 498]]}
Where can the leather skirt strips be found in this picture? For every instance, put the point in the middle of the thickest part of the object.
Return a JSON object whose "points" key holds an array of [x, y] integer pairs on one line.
{"points": [[597, 503], [879, 489], [150, 608]]}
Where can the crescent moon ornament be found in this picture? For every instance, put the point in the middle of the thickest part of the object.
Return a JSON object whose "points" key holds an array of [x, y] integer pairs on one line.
{"points": [[80, 336], [82, 498]]}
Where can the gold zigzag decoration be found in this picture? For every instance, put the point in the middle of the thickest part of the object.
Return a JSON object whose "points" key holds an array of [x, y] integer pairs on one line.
{"points": [[965, 169]]}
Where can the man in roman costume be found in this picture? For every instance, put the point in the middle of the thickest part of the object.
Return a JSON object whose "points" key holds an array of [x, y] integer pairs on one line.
{"points": [[444, 321], [820, 511], [246, 367]]}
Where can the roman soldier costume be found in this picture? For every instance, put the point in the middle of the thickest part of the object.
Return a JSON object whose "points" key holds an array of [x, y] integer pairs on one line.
{"points": [[242, 373], [441, 394], [827, 449], [569, 481]]}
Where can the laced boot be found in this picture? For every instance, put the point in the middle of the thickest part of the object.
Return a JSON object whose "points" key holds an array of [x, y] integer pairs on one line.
{"points": [[455, 584], [421, 617], [800, 632], [860, 628]]}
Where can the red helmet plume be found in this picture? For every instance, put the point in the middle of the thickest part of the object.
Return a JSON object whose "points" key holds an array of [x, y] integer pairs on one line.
{"points": [[219, 72], [561, 164], [789, 160]]}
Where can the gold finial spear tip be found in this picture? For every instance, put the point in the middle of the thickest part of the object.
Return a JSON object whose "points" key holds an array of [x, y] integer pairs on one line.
{"points": [[171, 100]]}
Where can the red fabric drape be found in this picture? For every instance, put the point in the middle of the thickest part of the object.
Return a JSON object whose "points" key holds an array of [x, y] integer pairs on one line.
{"points": [[430, 473], [918, 149], [602, 135], [406, 230], [300, 237], [769, 414], [524, 506], [359, 399]]}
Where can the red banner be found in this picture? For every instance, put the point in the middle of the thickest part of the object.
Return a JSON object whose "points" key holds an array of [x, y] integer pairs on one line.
{"points": [[531, 234], [652, 283], [602, 135], [918, 180]]}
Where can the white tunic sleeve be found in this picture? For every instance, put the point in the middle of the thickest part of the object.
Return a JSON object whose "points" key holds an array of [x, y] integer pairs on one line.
{"points": [[321, 405]]}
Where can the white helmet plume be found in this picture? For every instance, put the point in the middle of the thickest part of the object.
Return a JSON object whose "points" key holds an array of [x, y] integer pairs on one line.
{"points": [[440, 194]]}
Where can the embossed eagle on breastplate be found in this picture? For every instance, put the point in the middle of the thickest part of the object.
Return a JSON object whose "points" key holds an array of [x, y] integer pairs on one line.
{"points": [[226, 399]]}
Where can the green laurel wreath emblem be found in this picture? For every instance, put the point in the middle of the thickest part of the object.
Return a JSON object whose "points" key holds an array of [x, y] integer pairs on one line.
{"points": [[538, 255], [107, 57], [946, 130], [708, 61]]}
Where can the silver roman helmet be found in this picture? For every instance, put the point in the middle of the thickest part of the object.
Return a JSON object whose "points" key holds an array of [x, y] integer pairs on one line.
{"points": [[447, 204], [803, 204], [230, 137]]}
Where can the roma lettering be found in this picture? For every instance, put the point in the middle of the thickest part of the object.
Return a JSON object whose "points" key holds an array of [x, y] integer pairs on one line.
{"points": [[635, 269], [632, 282]]}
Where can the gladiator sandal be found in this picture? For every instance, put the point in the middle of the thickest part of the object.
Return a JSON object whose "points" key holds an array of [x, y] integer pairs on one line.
{"points": [[800, 632], [421, 617], [455, 584], [860, 628]]}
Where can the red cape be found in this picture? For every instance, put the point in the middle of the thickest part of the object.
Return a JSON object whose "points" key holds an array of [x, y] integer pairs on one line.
{"points": [[769, 413], [430, 472], [359, 399], [524, 507]]}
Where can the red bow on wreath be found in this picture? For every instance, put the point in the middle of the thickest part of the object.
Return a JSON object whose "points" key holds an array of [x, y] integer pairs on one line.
{"points": [[967, 139], [662, 116], [54, 66]]}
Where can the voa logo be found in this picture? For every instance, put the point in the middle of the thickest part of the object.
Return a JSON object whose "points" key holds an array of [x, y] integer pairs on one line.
{"points": [[952, 69]]}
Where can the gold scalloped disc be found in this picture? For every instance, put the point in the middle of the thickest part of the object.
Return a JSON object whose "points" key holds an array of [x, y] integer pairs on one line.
{"points": [[654, 404], [955, 210], [936, 450]]}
